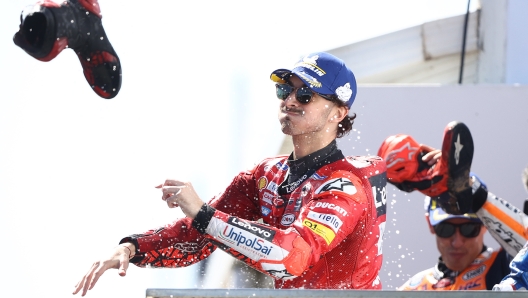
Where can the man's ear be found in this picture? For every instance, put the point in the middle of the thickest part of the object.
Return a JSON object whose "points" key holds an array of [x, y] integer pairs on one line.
{"points": [[339, 114], [431, 229]]}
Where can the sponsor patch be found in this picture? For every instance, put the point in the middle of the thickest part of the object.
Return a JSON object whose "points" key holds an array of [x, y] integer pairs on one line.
{"points": [[265, 211], [379, 191], [470, 285], [267, 197], [287, 219], [246, 242], [272, 186], [262, 182], [474, 273], [316, 176], [331, 207], [257, 230], [282, 166], [327, 234], [237, 238], [327, 219], [337, 184]]}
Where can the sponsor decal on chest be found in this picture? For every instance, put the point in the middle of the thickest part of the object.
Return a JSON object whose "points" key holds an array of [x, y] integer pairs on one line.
{"points": [[265, 211], [268, 198], [474, 273], [272, 186], [287, 219], [471, 285], [262, 182]]}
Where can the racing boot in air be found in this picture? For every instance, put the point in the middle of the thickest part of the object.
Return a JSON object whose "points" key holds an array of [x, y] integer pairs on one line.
{"points": [[47, 28], [449, 175]]}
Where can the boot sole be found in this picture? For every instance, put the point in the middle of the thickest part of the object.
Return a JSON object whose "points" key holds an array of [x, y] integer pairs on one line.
{"points": [[457, 149]]}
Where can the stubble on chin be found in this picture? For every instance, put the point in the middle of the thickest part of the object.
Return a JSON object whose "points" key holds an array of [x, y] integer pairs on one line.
{"points": [[286, 127]]}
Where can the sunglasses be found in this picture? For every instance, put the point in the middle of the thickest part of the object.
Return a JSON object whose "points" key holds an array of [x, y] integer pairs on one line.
{"points": [[467, 229], [303, 94]]}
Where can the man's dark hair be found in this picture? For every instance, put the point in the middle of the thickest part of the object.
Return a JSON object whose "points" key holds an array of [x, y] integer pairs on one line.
{"points": [[345, 126]]}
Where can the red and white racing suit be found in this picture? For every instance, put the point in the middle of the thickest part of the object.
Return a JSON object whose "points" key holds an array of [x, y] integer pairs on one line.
{"points": [[326, 232]]}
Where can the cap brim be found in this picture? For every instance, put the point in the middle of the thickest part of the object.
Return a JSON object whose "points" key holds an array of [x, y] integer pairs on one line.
{"points": [[280, 75], [438, 215]]}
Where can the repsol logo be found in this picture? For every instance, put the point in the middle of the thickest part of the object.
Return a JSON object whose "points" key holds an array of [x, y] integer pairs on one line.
{"points": [[260, 231]]}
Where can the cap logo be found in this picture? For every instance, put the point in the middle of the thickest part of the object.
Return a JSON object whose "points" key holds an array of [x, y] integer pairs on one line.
{"points": [[308, 78], [344, 92], [439, 217], [311, 64]]}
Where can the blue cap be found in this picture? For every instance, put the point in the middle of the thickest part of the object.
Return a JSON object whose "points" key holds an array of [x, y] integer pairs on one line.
{"points": [[438, 215], [323, 73]]}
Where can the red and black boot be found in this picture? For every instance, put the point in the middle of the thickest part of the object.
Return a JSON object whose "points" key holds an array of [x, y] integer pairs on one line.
{"points": [[47, 28], [457, 156]]}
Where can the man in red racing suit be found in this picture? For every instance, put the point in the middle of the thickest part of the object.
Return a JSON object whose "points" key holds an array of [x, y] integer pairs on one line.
{"points": [[313, 219], [325, 233]]}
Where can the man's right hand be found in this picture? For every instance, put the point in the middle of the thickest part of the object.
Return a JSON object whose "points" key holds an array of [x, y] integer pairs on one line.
{"points": [[118, 260]]}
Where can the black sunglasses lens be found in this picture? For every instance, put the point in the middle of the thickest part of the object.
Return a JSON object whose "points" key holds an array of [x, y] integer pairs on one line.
{"points": [[444, 230], [283, 91], [470, 230], [304, 95]]}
